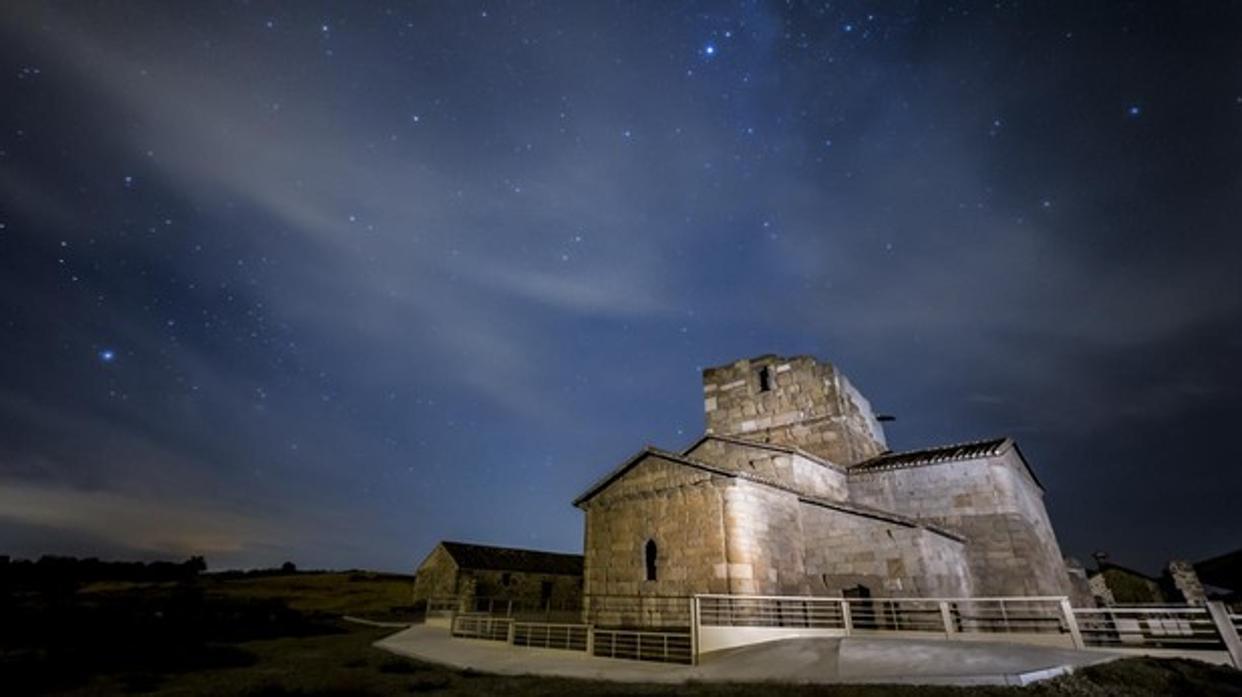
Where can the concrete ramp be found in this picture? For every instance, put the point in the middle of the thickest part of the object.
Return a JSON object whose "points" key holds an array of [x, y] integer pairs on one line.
{"points": [[890, 660], [868, 659], [821, 660]]}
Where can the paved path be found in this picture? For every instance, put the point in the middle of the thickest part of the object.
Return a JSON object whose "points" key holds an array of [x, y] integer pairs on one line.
{"points": [[819, 660]]}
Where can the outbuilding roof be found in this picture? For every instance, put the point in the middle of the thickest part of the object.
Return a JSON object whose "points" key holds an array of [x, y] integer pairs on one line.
{"points": [[487, 558]]}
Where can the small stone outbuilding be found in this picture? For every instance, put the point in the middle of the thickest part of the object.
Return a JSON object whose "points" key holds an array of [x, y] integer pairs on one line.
{"points": [[499, 579]]}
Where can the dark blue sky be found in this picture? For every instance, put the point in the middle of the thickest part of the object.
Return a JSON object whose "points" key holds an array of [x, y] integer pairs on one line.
{"points": [[331, 281]]}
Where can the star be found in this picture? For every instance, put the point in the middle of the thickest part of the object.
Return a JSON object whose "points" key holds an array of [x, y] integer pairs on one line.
{"points": [[107, 355], [1134, 111], [709, 50]]}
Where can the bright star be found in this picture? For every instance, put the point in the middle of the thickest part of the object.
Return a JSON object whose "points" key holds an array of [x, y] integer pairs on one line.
{"points": [[710, 49], [107, 355], [1135, 110]]}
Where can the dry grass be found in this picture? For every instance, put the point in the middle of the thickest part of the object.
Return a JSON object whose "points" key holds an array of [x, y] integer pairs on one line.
{"points": [[361, 594], [347, 664], [343, 662]]}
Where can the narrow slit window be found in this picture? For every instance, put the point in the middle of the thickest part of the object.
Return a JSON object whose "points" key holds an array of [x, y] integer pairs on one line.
{"points": [[765, 379], [651, 560]]}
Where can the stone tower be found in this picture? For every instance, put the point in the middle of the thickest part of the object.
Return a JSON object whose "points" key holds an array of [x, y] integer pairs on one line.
{"points": [[792, 401]]}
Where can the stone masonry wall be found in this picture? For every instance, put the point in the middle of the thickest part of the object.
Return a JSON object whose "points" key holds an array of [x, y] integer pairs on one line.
{"points": [[789, 469], [844, 550], [436, 577], [763, 540], [994, 503], [1185, 581], [808, 404], [439, 577], [526, 590], [679, 508]]}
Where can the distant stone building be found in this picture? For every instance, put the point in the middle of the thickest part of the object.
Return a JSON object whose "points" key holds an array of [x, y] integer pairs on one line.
{"points": [[1185, 583], [793, 491], [499, 579], [1114, 584]]}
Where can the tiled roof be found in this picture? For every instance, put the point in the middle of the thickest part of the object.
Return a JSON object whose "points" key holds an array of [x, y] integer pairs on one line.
{"points": [[485, 558], [931, 456]]}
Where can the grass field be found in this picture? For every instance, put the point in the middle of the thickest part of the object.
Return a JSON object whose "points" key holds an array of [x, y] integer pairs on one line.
{"points": [[280, 635], [360, 594]]}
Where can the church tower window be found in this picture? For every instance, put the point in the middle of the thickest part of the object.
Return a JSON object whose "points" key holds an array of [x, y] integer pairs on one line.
{"points": [[765, 379], [650, 556]]}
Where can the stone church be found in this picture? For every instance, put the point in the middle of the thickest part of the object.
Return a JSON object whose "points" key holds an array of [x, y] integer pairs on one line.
{"points": [[793, 491]]}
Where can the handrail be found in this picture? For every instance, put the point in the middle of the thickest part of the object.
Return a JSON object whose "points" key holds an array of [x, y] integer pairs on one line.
{"points": [[883, 598]]}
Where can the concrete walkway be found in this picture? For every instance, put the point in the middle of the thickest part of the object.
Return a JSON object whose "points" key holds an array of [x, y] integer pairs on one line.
{"points": [[819, 660]]}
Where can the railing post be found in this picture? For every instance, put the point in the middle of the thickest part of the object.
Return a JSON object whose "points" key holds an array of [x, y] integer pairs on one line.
{"points": [[1071, 622], [694, 630], [590, 640], [1228, 633], [946, 617], [512, 631], [847, 622]]}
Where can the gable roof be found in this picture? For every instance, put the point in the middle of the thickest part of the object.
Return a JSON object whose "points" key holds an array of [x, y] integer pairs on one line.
{"points": [[931, 456], [843, 506], [775, 447], [958, 452], [486, 558], [649, 450]]}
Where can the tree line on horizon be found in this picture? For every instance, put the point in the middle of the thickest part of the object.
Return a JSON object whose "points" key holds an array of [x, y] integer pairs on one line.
{"points": [[67, 570]]}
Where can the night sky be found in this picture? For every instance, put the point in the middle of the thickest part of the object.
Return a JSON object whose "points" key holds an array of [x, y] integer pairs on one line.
{"points": [[328, 282]]}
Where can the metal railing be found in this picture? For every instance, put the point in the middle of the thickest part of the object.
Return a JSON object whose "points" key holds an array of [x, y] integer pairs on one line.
{"points": [[663, 647], [933, 615], [679, 629], [441, 607], [475, 626], [1029, 615], [769, 611], [1176, 627], [663, 612], [568, 637]]}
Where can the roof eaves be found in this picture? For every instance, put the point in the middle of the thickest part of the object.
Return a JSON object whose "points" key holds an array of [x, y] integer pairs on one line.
{"points": [[957, 452], [881, 514], [779, 447], [648, 450]]}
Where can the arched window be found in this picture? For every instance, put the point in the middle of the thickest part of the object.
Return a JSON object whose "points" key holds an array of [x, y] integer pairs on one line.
{"points": [[650, 557]]}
